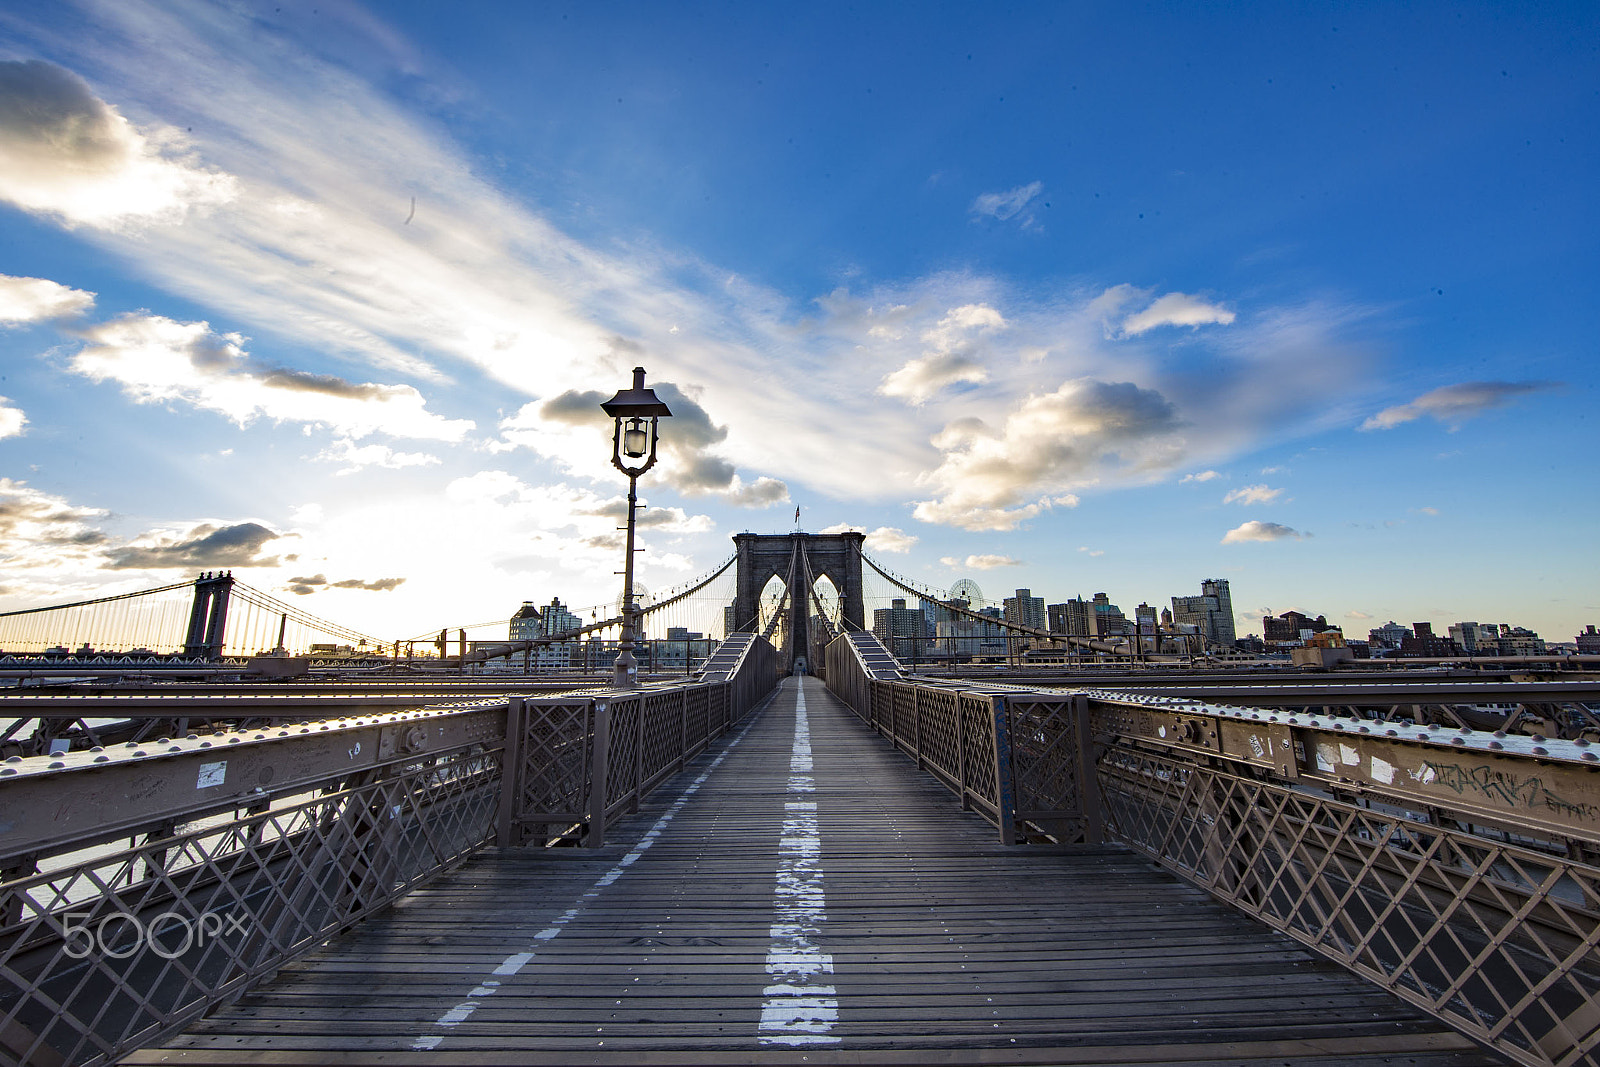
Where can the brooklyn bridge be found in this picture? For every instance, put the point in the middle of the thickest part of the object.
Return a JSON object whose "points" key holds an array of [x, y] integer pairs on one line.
{"points": [[234, 832]]}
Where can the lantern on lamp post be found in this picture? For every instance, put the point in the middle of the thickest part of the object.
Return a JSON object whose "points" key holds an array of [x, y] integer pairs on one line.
{"points": [[637, 412]]}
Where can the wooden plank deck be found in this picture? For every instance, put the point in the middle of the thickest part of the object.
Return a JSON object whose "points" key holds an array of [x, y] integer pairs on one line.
{"points": [[733, 923]]}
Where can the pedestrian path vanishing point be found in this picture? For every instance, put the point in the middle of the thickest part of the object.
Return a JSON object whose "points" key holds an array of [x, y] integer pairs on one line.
{"points": [[803, 894]]}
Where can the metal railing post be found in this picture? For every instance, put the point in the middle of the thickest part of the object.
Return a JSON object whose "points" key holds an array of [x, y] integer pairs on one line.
{"points": [[510, 772], [595, 836], [1094, 824], [1005, 796]]}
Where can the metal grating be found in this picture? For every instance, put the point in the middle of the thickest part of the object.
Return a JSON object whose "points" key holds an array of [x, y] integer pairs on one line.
{"points": [[1500, 941], [118, 945]]}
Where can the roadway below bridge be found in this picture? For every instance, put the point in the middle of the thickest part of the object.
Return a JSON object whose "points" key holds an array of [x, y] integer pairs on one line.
{"points": [[803, 894]]}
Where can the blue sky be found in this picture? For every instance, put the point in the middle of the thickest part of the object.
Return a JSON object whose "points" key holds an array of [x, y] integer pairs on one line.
{"points": [[1073, 297]]}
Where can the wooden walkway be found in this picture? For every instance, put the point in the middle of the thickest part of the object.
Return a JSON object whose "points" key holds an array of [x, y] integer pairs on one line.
{"points": [[814, 899]]}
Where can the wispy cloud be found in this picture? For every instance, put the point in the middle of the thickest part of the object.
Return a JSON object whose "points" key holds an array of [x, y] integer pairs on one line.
{"points": [[979, 562], [1353, 614], [356, 457], [1008, 204], [1199, 476], [1252, 494], [1176, 309], [1256, 530], [1454, 404]]}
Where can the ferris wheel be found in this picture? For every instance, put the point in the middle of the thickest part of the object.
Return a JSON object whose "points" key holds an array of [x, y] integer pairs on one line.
{"points": [[967, 589]]}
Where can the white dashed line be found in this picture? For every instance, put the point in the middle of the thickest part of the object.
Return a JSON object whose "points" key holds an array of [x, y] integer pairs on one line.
{"points": [[801, 1007]]}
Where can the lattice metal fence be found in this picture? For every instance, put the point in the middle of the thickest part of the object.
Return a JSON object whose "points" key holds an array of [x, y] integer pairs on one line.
{"points": [[584, 762], [1501, 941], [113, 944]]}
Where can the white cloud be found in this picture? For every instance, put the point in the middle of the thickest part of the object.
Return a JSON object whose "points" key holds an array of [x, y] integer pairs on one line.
{"points": [[12, 420], [317, 248], [1176, 309], [358, 457], [39, 300], [979, 563], [1427, 511], [1252, 494], [1454, 404], [1353, 614], [1008, 204], [883, 539], [44, 534], [953, 355], [993, 479], [1091, 551], [67, 154], [1200, 476], [1256, 530], [157, 359]]}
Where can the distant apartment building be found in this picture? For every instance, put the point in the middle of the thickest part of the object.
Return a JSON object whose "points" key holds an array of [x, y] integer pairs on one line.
{"points": [[1025, 609], [901, 629], [1475, 637], [526, 622], [1388, 636], [1588, 642], [1210, 613], [1074, 617], [1107, 618], [1423, 643], [1292, 629], [1519, 641]]}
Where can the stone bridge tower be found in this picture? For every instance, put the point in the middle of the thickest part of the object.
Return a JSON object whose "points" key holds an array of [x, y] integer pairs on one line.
{"points": [[763, 555]]}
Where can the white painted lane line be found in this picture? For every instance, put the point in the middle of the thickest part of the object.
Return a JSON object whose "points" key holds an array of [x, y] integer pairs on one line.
{"points": [[801, 1006], [518, 960]]}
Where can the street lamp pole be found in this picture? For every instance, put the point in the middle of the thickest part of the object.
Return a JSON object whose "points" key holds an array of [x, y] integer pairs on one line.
{"points": [[635, 440]]}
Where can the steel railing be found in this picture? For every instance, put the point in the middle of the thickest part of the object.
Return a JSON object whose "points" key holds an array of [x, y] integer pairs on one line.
{"points": [[1454, 868], [143, 884]]}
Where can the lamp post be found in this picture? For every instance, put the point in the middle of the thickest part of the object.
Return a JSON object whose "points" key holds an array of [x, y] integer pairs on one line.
{"points": [[633, 439]]}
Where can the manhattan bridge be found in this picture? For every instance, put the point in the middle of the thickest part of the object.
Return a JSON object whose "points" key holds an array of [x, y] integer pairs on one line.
{"points": [[235, 832]]}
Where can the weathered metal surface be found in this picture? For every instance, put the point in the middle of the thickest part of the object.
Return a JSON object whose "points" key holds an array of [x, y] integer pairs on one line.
{"points": [[1503, 780], [1502, 942], [49, 801]]}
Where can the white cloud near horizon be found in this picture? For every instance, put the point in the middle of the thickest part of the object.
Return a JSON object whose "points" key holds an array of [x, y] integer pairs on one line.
{"points": [[984, 562], [25, 300], [67, 154], [1454, 404], [1256, 530]]}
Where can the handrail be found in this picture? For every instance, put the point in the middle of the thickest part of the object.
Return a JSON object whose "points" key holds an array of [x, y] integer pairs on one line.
{"points": [[1458, 869], [161, 878]]}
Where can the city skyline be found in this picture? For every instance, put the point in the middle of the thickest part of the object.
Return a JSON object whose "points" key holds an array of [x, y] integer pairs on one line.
{"points": [[1073, 300]]}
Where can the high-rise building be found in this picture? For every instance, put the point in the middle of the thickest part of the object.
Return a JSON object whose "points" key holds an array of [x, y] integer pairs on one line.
{"points": [[1471, 636], [1025, 609], [1292, 629], [901, 629], [1106, 618], [1073, 617], [1211, 613], [1389, 636]]}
